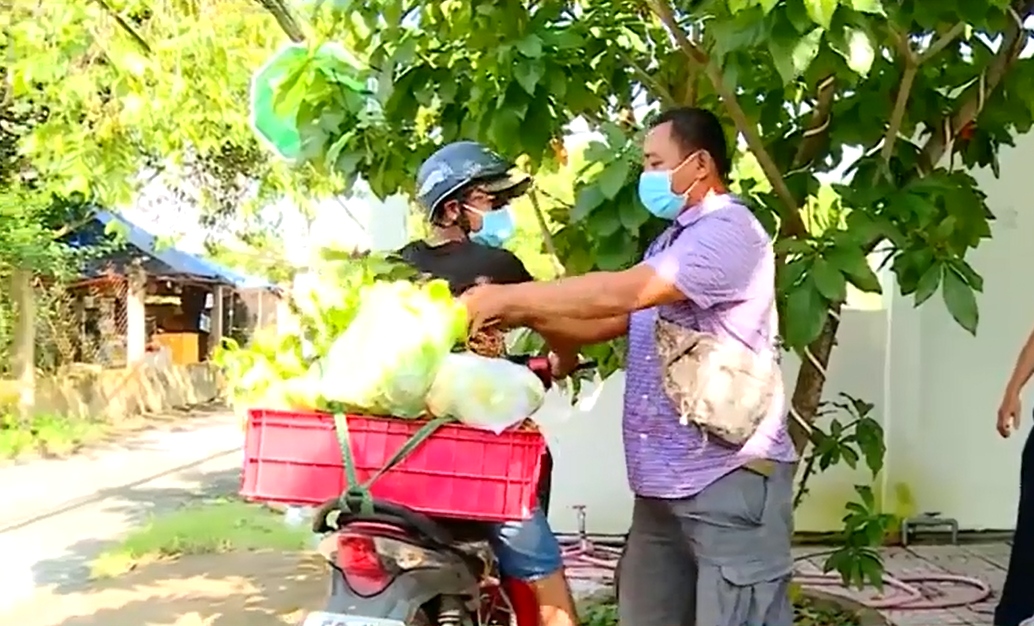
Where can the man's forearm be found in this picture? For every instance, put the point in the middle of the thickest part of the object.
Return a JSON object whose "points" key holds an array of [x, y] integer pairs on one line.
{"points": [[1024, 367], [592, 296], [567, 334]]}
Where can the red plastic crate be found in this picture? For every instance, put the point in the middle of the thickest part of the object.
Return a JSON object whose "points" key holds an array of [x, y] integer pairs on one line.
{"points": [[459, 471]]}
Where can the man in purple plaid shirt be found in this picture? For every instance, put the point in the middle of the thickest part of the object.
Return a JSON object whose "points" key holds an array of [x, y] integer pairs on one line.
{"points": [[709, 543]]}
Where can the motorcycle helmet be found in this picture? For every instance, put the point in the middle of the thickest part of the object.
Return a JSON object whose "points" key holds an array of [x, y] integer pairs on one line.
{"points": [[461, 163]]}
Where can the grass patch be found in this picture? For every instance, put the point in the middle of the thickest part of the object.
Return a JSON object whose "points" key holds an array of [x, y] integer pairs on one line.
{"points": [[49, 435], [207, 528]]}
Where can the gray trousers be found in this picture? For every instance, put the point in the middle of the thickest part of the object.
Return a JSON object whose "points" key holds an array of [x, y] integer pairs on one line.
{"points": [[719, 558]]}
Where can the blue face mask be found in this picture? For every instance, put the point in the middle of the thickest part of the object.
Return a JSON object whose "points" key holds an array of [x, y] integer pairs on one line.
{"points": [[496, 227], [656, 195]]}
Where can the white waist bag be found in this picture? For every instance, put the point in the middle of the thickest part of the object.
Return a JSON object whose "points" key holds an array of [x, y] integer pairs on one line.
{"points": [[717, 384]]}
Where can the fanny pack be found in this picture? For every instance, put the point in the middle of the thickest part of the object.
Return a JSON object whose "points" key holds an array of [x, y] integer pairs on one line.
{"points": [[716, 383]]}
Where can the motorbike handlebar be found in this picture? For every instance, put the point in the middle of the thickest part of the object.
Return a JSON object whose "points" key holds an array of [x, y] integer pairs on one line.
{"points": [[541, 367]]}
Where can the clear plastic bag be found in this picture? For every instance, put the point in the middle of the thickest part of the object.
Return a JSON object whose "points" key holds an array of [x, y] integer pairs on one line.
{"points": [[492, 394], [386, 360]]}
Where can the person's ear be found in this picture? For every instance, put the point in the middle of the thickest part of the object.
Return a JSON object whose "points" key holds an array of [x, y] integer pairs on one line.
{"points": [[450, 212], [708, 168], [692, 169]]}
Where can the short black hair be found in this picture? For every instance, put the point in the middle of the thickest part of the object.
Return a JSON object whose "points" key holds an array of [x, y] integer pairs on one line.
{"points": [[698, 129]]}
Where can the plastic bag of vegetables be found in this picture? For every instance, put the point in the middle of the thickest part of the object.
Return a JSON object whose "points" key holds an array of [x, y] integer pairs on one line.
{"points": [[387, 358], [487, 393]]}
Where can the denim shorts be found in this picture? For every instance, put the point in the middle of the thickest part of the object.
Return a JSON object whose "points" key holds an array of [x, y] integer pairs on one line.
{"points": [[527, 549]]}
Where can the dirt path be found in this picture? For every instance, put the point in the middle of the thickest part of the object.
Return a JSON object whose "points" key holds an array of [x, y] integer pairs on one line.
{"points": [[59, 514], [256, 589]]}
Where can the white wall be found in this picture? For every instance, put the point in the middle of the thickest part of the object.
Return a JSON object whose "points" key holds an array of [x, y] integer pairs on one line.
{"points": [[945, 451], [588, 457]]}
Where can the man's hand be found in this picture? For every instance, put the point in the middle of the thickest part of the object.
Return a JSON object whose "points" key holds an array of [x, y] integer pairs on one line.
{"points": [[486, 306], [1009, 413], [563, 363]]}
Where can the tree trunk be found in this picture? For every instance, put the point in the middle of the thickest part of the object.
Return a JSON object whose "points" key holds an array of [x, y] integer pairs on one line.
{"points": [[24, 348], [807, 393]]}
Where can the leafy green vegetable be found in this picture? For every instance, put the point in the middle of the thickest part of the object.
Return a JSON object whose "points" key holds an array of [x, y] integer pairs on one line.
{"points": [[386, 360], [371, 340]]}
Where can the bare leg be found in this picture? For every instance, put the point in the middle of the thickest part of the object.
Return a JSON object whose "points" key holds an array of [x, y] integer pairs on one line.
{"points": [[528, 551], [556, 605]]}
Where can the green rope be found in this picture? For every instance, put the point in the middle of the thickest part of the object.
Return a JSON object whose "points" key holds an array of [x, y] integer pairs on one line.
{"points": [[361, 492]]}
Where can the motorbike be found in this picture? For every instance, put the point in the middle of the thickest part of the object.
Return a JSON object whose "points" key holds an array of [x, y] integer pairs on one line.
{"points": [[397, 567]]}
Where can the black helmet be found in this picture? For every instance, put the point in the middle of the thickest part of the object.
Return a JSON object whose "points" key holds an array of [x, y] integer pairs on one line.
{"points": [[461, 163]]}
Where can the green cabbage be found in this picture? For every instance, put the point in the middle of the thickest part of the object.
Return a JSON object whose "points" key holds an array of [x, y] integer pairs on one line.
{"points": [[370, 342], [386, 360]]}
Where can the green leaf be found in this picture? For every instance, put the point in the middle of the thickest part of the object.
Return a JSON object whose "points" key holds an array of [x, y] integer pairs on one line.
{"points": [[852, 262], [868, 6], [860, 53], [805, 51], [976, 281], [960, 300], [616, 252], [632, 215], [530, 46], [604, 221], [505, 128], [589, 197], [613, 177], [792, 247], [868, 499], [928, 283], [528, 75], [821, 11], [829, 281], [805, 314], [790, 274], [869, 434]]}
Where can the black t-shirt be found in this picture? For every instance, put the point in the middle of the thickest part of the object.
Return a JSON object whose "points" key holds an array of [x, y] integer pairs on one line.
{"points": [[463, 264]]}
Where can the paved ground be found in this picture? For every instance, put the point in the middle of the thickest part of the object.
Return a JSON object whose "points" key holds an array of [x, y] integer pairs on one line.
{"points": [[59, 514]]}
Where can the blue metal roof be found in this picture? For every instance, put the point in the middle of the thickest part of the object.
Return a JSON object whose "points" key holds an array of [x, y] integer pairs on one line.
{"points": [[169, 260]]}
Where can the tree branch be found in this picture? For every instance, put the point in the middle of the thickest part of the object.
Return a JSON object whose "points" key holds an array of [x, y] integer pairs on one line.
{"points": [[820, 119], [943, 134], [648, 80], [693, 82], [692, 86], [897, 115], [547, 237], [124, 25], [793, 225], [942, 42], [284, 18]]}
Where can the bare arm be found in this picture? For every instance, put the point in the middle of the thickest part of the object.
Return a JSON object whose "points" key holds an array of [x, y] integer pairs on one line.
{"points": [[565, 336], [1024, 368], [569, 334]]}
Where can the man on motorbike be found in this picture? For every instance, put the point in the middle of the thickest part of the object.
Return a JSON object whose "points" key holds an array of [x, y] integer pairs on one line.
{"points": [[465, 189]]}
